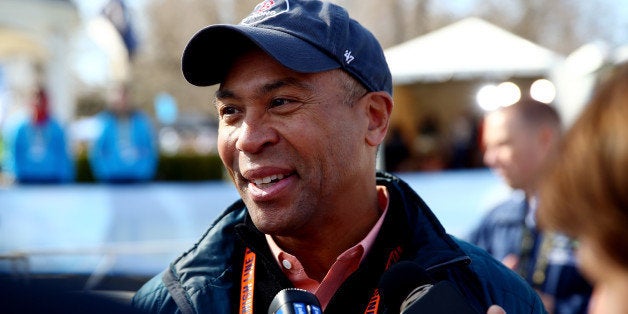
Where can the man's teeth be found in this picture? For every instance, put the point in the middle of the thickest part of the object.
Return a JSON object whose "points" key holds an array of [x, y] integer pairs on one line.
{"points": [[268, 179]]}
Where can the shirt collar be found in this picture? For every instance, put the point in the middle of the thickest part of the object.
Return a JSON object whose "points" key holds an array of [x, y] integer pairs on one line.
{"points": [[346, 263], [366, 243]]}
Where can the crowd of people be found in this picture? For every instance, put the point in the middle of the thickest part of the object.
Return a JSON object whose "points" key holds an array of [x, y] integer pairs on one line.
{"points": [[38, 150]]}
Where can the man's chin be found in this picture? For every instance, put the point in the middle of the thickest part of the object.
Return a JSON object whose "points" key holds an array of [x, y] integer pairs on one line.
{"points": [[267, 227]]}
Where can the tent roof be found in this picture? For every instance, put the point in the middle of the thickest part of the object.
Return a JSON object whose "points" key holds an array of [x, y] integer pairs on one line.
{"points": [[469, 48]]}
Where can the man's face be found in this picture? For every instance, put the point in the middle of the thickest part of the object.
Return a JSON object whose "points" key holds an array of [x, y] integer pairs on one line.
{"points": [[513, 150], [293, 149], [118, 100]]}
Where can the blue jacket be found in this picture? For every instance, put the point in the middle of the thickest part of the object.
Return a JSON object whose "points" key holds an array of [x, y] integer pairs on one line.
{"points": [[125, 150], [500, 233], [205, 279], [40, 153]]}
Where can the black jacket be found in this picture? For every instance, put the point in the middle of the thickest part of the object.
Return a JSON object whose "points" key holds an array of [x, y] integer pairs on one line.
{"points": [[206, 278]]}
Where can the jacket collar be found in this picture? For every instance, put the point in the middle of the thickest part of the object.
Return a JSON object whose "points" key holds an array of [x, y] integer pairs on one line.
{"points": [[432, 247]]}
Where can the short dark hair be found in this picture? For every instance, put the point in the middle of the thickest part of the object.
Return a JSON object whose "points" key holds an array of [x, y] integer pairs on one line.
{"points": [[535, 113]]}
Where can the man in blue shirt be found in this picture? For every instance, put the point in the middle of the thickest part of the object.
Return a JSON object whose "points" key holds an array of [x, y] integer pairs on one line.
{"points": [[126, 149], [518, 140], [39, 149]]}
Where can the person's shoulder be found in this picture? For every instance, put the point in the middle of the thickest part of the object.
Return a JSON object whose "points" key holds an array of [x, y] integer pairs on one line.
{"points": [[152, 287], [141, 117], [139, 114], [503, 286], [55, 124], [21, 123], [105, 115], [210, 256], [506, 210], [483, 263], [216, 243], [152, 295]]}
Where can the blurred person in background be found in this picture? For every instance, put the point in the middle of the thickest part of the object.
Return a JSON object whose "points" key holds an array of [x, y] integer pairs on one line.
{"points": [[125, 150], [518, 141], [585, 193], [38, 150]]}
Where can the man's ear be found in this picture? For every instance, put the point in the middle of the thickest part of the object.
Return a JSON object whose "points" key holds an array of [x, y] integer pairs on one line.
{"points": [[547, 136], [379, 107]]}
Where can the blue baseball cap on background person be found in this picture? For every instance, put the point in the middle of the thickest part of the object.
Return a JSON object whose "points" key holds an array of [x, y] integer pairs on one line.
{"points": [[306, 36]]}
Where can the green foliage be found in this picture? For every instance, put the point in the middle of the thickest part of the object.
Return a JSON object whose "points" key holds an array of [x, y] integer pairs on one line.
{"points": [[83, 172], [90, 104], [180, 167], [189, 167]]}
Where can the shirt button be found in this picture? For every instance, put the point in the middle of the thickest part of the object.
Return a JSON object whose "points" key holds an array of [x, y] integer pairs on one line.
{"points": [[286, 263]]}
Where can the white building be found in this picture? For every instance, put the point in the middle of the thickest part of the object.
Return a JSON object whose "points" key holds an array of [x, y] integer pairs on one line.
{"points": [[36, 48]]}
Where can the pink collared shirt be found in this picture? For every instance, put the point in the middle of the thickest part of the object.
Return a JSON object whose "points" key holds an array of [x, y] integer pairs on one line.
{"points": [[344, 266]]}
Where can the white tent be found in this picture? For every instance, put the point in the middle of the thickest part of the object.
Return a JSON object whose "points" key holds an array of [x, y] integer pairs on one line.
{"points": [[469, 48], [576, 77]]}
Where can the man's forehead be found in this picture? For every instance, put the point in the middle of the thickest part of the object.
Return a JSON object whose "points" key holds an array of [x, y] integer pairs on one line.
{"points": [[253, 61], [497, 128], [259, 73], [256, 61], [261, 87]]}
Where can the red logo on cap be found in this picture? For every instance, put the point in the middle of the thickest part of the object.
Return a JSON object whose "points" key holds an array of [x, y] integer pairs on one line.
{"points": [[265, 6], [265, 10]]}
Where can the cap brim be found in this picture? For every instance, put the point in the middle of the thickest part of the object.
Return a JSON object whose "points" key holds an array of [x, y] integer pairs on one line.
{"points": [[210, 53]]}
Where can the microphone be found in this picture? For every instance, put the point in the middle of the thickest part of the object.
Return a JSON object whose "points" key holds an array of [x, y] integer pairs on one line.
{"points": [[408, 287], [295, 301]]}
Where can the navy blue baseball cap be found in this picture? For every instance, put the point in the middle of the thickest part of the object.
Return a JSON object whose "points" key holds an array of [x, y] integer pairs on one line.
{"points": [[306, 36]]}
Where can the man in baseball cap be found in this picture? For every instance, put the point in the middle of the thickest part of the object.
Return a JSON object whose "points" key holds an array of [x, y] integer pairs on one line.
{"points": [[304, 101]]}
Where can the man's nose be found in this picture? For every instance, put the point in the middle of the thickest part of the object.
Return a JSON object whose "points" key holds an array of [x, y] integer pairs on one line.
{"points": [[489, 157], [255, 135]]}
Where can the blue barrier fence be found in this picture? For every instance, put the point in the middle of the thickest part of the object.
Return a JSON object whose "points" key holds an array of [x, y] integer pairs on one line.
{"points": [[139, 229]]}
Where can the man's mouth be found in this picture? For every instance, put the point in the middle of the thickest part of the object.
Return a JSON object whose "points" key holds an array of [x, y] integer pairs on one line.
{"points": [[267, 181], [270, 187]]}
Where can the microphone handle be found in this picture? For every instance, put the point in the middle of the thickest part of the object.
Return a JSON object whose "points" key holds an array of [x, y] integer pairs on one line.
{"points": [[440, 298], [295, 301], [298, 308]]}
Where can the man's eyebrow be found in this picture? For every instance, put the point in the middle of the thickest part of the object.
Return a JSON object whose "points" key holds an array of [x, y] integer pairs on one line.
{"points": [[287, 81], [224, 93], [266, 88]]}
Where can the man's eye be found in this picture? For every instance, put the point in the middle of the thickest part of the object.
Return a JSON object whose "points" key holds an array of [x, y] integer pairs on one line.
{"points": [[228, 110], [285, 105], [279, 102]]}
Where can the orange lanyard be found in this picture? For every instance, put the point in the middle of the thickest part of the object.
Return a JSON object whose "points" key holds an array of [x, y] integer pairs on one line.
{"points": [[248, 282], [373, 305]]}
